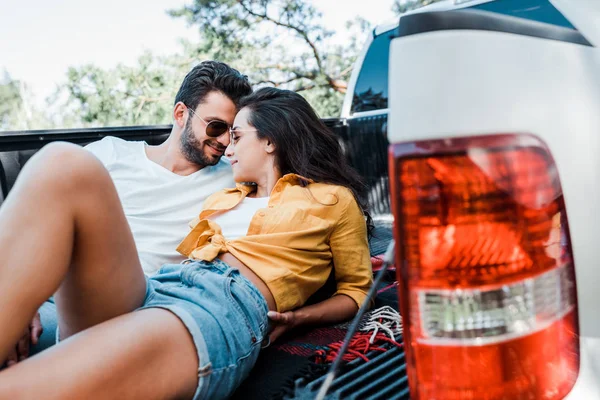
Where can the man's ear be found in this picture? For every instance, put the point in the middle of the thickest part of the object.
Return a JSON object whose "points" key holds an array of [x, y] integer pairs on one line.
{"points": [[180, 113]]}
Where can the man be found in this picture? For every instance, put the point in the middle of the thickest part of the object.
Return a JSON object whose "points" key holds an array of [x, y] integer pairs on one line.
{"points": [[163, 187]]}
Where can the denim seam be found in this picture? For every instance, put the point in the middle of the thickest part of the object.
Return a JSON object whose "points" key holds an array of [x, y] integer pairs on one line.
{"points": [[239, 310], [261, 308], [253, 347]]}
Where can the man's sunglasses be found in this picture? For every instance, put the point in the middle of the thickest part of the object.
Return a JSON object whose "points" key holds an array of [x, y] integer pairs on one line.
{"points": [[214, 128]]}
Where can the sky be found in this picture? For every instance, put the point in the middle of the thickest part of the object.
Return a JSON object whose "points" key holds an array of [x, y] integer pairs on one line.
{"points": [[40, 39]]}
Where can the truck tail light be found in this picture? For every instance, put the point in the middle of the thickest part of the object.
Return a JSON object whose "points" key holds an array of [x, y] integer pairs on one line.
{"points": [[485, 269]]}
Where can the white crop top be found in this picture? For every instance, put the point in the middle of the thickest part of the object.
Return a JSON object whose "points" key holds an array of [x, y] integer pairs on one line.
{"points": [[234, 223]]}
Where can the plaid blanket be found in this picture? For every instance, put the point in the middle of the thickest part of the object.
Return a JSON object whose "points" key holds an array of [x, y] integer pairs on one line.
{"points": [[281, 364]]}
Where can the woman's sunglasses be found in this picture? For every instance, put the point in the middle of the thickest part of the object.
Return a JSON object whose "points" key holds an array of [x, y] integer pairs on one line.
{"points": [[214, 128]]}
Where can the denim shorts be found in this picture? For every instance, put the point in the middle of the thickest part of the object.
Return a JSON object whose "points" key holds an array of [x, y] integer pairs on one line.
{"points": [[225, 314]]}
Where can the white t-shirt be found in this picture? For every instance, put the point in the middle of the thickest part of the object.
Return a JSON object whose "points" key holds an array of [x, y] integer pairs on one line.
{"points": [[158, 203], [234, 223]]}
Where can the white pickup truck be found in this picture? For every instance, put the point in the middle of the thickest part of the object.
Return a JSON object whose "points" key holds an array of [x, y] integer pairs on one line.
{"points": [[494, 121]]}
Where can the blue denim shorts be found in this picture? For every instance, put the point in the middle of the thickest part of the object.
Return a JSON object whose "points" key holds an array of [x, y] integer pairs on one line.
{"points": [[225, 314]]}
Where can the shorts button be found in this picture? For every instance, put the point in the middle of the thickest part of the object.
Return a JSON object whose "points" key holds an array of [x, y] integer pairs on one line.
{"points": [[253, 340]]}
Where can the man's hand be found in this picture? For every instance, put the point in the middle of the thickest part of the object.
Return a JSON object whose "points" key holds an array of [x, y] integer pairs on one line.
{"points": [[31, 335], [282, 323]]}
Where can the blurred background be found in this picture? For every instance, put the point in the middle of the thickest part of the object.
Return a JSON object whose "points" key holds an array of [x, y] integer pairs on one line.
{"points": [[74, 64]]}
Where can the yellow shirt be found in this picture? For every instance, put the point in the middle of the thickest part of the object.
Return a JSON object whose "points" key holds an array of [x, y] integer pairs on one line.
{"points": [[293, 244]]}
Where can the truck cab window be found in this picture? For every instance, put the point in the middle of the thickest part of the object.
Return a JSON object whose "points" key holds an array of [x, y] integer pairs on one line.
{"points": [[534, 10], [371, 90]]}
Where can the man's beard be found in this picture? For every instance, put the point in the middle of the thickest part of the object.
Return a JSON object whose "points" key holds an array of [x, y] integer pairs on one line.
{"points": [[192, 148]]}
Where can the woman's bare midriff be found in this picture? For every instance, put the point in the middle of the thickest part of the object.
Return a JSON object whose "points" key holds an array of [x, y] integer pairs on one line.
{"points": [[252, 277]]}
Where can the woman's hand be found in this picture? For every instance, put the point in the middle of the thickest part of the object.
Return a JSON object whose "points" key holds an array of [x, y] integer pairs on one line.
{"points": [[282, 323], [333, 310]]}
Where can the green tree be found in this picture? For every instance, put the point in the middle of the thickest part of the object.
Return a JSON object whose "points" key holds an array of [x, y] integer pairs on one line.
{"points": [[123, 95], [135, 95], [11, 102], [292, 47], [16, 109], [280, 43]]}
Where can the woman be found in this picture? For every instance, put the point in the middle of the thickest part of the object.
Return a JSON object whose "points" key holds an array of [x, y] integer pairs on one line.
{"points": [[198, 327]]}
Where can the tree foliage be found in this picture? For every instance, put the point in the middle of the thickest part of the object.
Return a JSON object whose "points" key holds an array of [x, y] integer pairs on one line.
{"points": [[276, 43], [281, 43], [142, 94], [17, 111], [123, 95], [11, 102], [293, 48]]}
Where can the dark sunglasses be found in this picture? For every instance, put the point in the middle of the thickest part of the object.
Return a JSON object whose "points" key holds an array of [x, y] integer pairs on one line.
{"points": [[214, 128]]}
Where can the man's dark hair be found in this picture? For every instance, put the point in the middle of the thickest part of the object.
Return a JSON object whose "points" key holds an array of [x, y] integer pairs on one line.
{"points": [[209, 76], [303, 144]]}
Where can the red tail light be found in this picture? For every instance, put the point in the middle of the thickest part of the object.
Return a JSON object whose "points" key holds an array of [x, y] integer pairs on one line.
{"points": [[486, 275]]}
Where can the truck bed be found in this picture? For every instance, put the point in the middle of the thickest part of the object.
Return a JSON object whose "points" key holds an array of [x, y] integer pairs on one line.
{"points": [[286, 369]]}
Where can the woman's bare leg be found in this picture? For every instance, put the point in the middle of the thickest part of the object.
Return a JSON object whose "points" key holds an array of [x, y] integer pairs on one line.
{"points": [[62, 227], [146, 355]]}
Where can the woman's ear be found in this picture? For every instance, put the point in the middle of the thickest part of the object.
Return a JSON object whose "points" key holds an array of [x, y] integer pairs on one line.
{"points": [[269, 147]]}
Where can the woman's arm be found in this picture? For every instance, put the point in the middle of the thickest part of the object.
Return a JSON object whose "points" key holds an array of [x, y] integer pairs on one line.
{"points": [[353, 275], [350, 251], [335, 309]]}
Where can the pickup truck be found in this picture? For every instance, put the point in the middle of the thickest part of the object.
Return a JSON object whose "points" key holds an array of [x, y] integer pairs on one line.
{"points": [[474, 124]]}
